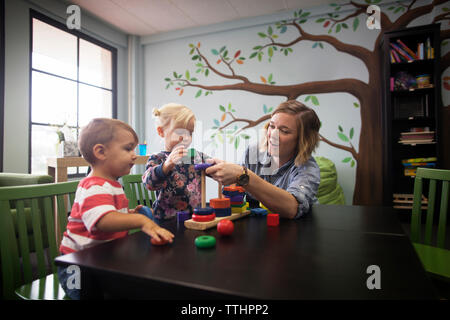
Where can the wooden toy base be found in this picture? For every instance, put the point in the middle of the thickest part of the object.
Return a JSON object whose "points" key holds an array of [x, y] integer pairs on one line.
{"points": [[194, 225]]}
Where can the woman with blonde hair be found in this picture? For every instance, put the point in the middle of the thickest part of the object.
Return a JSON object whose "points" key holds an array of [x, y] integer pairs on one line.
{"points": [[281, 172]]}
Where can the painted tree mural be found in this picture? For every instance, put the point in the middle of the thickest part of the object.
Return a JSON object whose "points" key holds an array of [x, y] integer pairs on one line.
{"points": [[346, 17]]}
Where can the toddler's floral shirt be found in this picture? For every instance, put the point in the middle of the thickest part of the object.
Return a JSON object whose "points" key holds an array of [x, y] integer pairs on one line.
{"points": [[180, 190]]}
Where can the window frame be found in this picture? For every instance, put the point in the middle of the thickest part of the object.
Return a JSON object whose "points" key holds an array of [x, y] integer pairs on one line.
{"points": [[80, 35], [2, 81]]}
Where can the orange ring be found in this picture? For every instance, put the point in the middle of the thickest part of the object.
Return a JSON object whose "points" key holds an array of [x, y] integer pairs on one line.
{"points": [[206, 218]]}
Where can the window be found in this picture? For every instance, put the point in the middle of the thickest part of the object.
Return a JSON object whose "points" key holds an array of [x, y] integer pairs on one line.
{"points": [[2, 78], [72, 81]]}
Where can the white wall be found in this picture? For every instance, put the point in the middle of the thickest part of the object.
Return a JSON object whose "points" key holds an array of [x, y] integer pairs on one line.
{"points": [[17, 41]]}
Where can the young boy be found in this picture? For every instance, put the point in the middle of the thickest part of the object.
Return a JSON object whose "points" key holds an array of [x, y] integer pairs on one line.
{"points": [[100, 210]]}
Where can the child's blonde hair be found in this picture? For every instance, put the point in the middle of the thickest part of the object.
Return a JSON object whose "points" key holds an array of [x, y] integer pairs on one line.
{"points": [[180, 114], [100, 131]]}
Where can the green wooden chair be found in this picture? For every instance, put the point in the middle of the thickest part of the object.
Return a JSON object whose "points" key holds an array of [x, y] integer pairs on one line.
{"points": [[28, 240], [434, 256], [136, 192]]}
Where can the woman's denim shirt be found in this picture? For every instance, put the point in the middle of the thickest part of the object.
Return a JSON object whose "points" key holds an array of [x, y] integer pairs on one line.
{"points": [[300, 181]]}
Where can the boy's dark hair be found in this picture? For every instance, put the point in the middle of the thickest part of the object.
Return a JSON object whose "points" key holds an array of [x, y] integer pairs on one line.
{"points": [[100, 131]]}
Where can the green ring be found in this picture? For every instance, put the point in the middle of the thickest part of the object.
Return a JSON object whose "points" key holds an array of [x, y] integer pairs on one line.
{"points": [[204, 242]]}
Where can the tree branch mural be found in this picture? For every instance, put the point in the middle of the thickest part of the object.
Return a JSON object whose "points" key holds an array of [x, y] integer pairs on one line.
{"points": [[367, 155]]}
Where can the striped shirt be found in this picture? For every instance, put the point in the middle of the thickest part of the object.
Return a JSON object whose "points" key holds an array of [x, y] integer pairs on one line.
{"points": [[94, 198]]}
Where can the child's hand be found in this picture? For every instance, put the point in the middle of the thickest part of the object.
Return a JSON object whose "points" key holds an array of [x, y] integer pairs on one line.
{"points": [[156, 232], [174, 158], [135, 210]]}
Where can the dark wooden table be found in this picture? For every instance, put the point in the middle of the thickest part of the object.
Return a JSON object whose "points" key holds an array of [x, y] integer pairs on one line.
{"points": [[322, 256]]}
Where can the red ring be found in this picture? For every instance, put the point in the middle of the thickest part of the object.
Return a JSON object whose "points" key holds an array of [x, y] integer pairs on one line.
{"points": [[209, 217]]}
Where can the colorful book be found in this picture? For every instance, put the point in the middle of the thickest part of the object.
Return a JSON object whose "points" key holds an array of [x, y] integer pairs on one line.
{"points": [[401, 52], [428, 48], [430, 159], [405, 47], [397, 58], [420, 164], [420, 50]]}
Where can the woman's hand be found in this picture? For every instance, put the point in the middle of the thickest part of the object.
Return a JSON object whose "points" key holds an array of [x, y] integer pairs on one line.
{"points": [[224, 172]]}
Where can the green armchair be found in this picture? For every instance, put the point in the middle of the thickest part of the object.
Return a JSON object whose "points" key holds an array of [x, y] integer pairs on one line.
{"points": [[21, 179], [330, 192]]}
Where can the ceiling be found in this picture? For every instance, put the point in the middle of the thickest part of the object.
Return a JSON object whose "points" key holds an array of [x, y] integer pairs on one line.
{"points": [[150, 17]]}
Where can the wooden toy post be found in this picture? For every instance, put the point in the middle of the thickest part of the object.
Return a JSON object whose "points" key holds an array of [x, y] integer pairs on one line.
{"points": [[219, 191], [203, 181], [202, 167]]}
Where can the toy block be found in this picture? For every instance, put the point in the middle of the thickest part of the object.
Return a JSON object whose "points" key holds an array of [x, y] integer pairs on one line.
{"points": [[219, 203], [259, 212], [222, 212], [238, 204], [264, 207], [239, 209], [273, 219], [238, 198], [182, 216]]}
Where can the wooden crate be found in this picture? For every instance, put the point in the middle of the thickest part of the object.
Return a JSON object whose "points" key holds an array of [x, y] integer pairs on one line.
{"points": [[405, 201]]}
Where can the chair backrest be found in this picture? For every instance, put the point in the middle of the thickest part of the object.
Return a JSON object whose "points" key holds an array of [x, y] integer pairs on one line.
{"points": [[433, 175], [50, 203], [136, 192]]}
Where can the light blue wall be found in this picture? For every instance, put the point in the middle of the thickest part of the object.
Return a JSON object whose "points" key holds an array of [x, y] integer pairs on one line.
{"points": [[169, 52]]}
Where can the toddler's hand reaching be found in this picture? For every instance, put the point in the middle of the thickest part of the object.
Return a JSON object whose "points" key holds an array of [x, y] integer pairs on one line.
{"points": [[174, 158], [156, 232]]}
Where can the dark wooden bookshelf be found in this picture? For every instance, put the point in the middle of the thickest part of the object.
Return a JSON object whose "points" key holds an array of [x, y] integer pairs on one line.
{"points": [[406, 106]]}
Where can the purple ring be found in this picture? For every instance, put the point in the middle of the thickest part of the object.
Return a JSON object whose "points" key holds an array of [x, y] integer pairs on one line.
{"points": [[202, 166]]}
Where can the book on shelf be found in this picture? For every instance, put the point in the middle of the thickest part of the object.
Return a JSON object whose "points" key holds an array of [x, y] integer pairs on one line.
{"points": [[419, 129], [413, 160], [401, 52], [407, 49], [419, 164], [396, 57], [420, 52], [411, 171], [424, 135], [414, 142], [411, 165]]}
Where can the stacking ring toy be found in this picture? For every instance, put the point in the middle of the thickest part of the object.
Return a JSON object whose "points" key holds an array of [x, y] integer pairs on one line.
{"points": [[204, 242], [199, 218], [220, 203], [203, 211], [202, 166]]}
